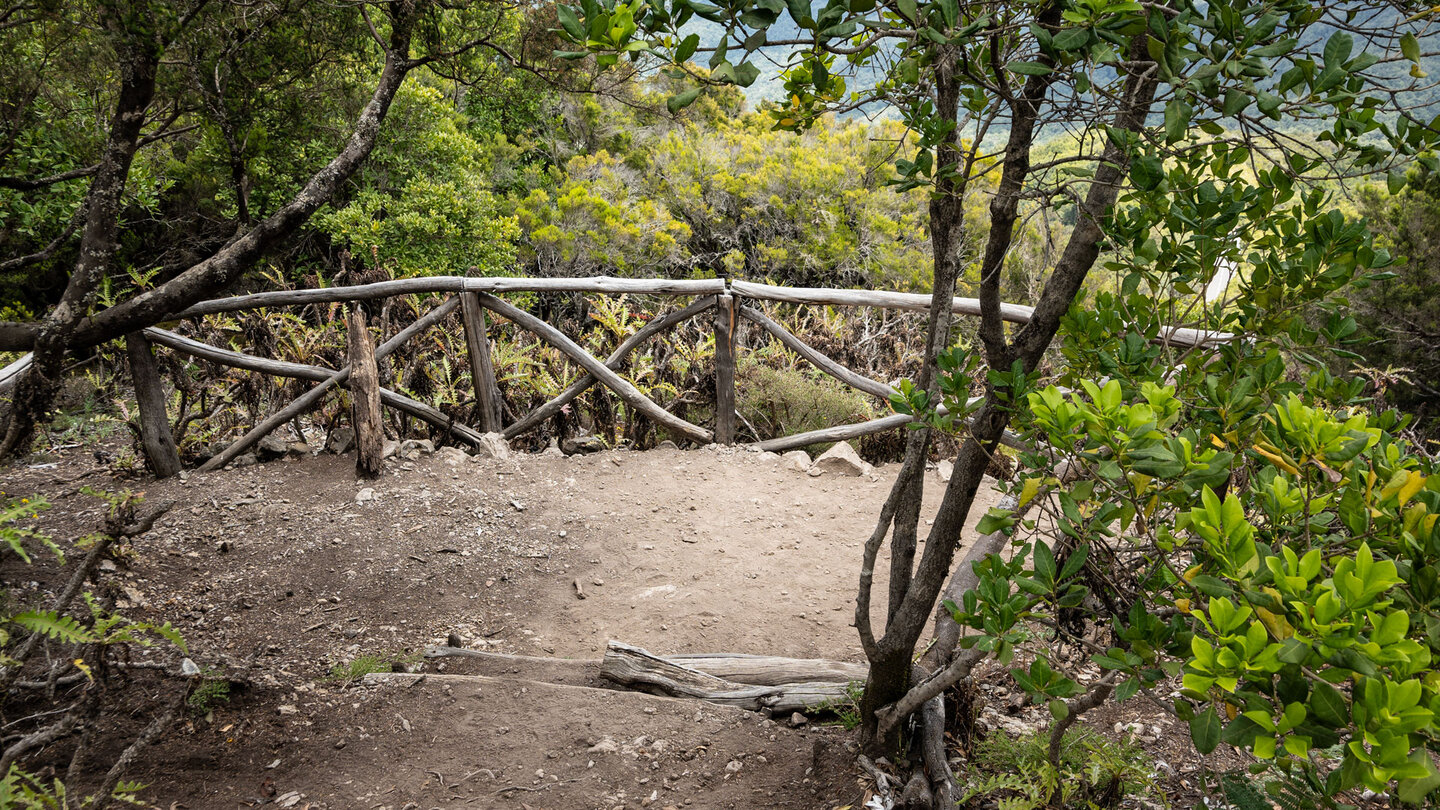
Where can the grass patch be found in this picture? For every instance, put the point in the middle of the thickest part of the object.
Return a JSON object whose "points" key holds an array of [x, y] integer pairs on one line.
{"points": [[352, 671]]}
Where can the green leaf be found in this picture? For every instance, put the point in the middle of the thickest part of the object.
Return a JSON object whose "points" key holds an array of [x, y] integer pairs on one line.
{"points": [[1147, 172], [995, 520], [680, 101], [1177, 120], [1205, 730], [1071, 39], [1410, 47], [1337, 48], [687, 48], [569, 21], [1029, 68], [1328, 705], [54, 625], [746, 73]]}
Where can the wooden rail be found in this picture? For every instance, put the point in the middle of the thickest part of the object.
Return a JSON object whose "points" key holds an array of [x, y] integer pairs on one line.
{"points": [[474, 297]]}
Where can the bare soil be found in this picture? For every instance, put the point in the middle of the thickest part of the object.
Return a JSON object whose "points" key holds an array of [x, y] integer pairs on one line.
{"points": [[290, 569]]}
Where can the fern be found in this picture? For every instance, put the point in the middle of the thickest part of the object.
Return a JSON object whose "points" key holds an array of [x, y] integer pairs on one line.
{"points": [[55, 626]]}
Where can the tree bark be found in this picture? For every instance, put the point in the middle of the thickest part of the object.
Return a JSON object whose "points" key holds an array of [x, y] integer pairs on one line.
{"points": [[66, 326], [890, 661], [364, 397], [150, 396], [912, 615], [140, 57]]}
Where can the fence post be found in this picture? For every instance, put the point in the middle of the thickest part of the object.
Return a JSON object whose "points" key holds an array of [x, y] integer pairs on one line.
{"points": [[482, 369], [150, 394], [725, 369], [364, 397]]}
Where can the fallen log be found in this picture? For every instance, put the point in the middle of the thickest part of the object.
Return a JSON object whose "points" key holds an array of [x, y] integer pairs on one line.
{"points": [[632, 666], [754, 670], [769, 670]]}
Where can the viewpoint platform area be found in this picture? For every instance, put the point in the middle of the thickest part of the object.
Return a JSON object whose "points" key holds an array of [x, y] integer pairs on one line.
{"points": [[294, 570]]}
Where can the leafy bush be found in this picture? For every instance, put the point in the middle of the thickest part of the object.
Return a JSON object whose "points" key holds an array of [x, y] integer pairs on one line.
{"points": [[780, 401], [1093, 772]]}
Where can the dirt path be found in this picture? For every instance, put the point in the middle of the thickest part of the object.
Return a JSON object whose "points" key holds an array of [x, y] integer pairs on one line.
{"points": [[299, 568]]}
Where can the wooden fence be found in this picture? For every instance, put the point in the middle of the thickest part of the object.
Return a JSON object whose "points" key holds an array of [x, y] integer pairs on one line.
{"points": [[475, 297]]}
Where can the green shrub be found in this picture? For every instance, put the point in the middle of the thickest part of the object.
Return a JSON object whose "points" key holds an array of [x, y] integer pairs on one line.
{"points": [[1094, 771], [783, 401]]}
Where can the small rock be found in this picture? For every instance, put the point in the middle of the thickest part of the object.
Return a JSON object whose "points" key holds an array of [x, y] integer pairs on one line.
{"points": [[341, 440], [492, 447], [272, 447], [797, 720], [417, 445], [453, 640], [814, 472], [365, 495], [581, 444], [797, 460], [946, 469], [667, 445], [579, 590], [245, 460], [287, 709], [452, 455], [289, 799], [297, 449], [107, 566], [605, 746], [841, 459], [734, 766]]}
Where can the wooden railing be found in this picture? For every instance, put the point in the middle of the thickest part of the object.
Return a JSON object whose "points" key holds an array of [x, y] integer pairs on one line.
{"points": [[475, 297]]}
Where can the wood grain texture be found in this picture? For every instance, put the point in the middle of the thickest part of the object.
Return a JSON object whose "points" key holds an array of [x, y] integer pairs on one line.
{"points": [[300, 371], [820, 361], [634, 667], [309, 399], [725, 369], [155, 436], [614, 362], [482, 368], [591, 364], [364, 397]]}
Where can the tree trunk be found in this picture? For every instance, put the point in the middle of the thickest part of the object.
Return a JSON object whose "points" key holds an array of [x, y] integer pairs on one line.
{"points": [[365, 397], [154, 420], [36, 393]]}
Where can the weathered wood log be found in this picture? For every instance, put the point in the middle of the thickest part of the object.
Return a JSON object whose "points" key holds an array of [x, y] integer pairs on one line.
{"points": [[300, 371], [820, 361], [843, 433], [308, 400], [769, 670], [11, 374], [839, 433], [482, 368], [631, 666], [599, 284], [155, 437], [591, 364], [933, 754], [725, 369], [453, 284], [364, 397], [917, 302], [613, 362], [755, 670]]}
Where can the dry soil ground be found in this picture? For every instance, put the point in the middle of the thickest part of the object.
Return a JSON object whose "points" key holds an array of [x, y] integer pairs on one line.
{"points": [[288, 569]]}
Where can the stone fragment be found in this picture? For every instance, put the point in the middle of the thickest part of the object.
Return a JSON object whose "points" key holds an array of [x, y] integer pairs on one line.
{"points": [[341, 440], [492, 447], [797, 460], [841, 460]]}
